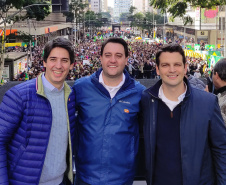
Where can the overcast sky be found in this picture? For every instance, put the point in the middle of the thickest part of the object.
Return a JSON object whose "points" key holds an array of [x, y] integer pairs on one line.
{"points": [[111, 3]]}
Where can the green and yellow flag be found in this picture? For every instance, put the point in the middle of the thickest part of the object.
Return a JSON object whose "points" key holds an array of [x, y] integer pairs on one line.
{"points": [[2, 81], [26, 77]]}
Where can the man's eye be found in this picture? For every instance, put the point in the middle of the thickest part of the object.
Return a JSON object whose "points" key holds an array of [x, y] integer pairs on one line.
{"points": [[178, 65], [65, 61]]}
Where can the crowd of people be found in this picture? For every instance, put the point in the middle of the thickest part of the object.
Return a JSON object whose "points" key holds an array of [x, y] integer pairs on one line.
{"points": [[141, 61]]}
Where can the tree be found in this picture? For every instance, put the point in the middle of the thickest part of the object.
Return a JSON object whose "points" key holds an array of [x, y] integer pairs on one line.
{"points": [[93, 20], [177, 8], [38, 12], [106, 15], [76, 11], [124, 17]]}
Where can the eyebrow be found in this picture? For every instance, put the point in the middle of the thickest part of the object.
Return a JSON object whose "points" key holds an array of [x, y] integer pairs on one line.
{"points": [[61, 58], [111, 53]]}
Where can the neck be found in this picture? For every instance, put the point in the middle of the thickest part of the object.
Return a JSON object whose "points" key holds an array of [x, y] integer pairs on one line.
{"points": [[112, 82], [173, 93]]}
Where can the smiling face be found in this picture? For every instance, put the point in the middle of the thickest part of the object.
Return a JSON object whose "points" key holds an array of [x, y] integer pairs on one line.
{"points": [[113, 61], [57, 66], [171, 69]]}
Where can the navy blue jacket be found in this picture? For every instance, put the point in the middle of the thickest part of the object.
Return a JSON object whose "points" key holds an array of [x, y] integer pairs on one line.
{"points": [[202, 136], [108, 131], [25, 125]]}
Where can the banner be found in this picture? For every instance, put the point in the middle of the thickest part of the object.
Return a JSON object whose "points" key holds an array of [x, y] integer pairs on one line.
{"points": [[189, 47], [197, 47], [209, 47]]}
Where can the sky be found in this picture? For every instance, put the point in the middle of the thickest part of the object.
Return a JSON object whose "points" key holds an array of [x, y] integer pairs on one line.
{"points": [[111, 3]]}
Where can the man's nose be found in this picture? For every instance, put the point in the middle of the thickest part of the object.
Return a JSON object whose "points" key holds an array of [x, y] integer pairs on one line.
{"points": [[58, 64], [113, 59], [171, 68]]}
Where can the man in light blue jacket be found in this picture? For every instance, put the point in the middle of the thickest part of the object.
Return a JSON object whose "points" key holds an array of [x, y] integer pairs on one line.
{"points": [[108, 130]]}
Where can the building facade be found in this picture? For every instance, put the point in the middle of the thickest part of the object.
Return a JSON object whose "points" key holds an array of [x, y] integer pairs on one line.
{"points": [[121, 6]]}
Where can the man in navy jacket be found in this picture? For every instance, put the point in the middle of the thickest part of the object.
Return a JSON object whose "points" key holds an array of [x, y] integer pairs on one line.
{"points": [[37, 121], [185, 136]]}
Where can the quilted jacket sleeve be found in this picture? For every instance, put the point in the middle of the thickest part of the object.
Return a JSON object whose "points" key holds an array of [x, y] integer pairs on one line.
{"points": [[217, 134], [10, 116]]}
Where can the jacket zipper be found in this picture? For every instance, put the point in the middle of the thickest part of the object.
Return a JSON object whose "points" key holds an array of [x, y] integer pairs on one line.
{"points": [[171, 114]]}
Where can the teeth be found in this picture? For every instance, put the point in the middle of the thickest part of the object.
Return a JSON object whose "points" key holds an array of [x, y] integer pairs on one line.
{"points": [[57, 72], [112, 66]]}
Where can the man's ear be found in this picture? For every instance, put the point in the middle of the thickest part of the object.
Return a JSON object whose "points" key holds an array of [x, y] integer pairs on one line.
{"points": [[44, 63], [217, 76], [157, 70], [71, 66]]}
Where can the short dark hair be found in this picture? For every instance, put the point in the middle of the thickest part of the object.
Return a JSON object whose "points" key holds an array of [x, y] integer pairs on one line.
{"points": [[61, 43], [115, 40], [170, 48], [220, 68]]}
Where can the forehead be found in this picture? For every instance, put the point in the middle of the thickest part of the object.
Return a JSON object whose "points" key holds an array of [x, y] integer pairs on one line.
{"points": [[113, 48], [168, 57], [59, 52]]}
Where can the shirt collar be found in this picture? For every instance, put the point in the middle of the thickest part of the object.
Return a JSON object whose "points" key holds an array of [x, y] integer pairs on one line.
{"points": [[164, 99], [220, 90], [48, 85], [101, 80]]}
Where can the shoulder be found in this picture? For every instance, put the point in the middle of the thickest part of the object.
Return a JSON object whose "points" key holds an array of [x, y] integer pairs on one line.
{"points": [[82, 81], [139, 86], [23, 88], [202, 96]]}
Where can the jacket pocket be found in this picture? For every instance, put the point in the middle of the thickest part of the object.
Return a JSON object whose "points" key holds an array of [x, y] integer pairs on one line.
{"points": [[16, 159]]}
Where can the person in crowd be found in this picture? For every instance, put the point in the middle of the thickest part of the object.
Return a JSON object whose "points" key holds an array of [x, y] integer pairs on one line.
{"points": [[195, 82], [184, 132], [197, 73], [107, 120], [219, 81], [37, 121]]}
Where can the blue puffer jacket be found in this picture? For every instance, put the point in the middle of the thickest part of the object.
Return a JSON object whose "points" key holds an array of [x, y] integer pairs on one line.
{"points": [[108, 131], [25, 124], [202, 136]]}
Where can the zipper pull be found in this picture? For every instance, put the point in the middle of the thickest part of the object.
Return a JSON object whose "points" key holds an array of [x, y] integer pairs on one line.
{"points": [[171, 114]]}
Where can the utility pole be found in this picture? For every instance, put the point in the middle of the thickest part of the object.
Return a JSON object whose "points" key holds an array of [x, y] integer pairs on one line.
{"points": [[29, 24], [153, 23], [164, 27], [225, 33], [3, 50]]}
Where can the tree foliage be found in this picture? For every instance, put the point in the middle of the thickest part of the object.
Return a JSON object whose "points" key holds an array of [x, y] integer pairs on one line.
{"points": [[93, 19], [76, 11], [39, 12], [177, 8]]}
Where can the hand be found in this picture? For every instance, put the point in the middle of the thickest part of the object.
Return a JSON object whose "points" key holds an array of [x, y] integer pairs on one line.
{"points": [[206, 89]]}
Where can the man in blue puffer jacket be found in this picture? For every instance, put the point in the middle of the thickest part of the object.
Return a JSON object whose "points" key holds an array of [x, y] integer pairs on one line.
{"points": [[108, 130], [37, 124]]}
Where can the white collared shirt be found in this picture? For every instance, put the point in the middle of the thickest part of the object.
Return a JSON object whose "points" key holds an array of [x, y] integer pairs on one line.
{"points": [[48, 85], [169, 103], [112, 90]]}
